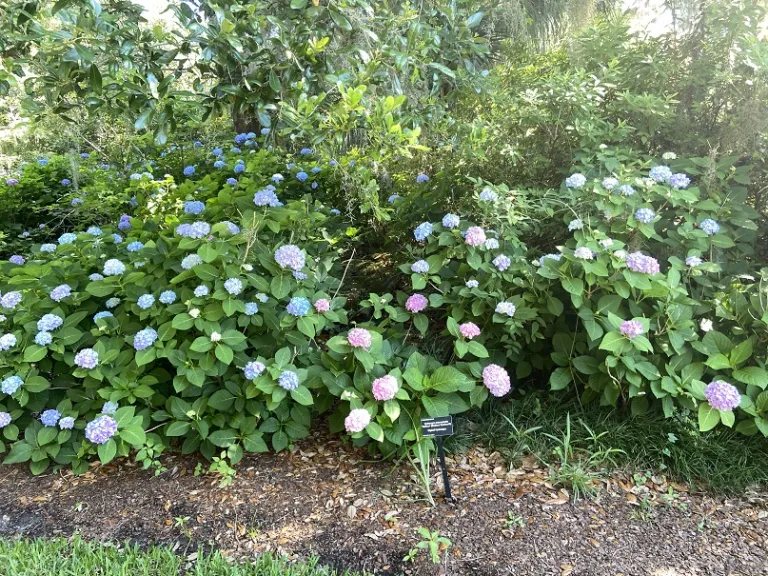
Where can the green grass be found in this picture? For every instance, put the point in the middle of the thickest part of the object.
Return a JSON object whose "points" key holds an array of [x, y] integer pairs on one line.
{"points": [[603, 439], [76, 557]]}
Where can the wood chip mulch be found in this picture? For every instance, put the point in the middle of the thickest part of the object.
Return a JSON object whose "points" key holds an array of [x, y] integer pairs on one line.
{"points": [[330, 500]]}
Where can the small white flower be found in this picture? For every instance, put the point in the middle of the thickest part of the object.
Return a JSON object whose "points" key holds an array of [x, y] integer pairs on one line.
{"points": [[536, 263], [2, 318], [215, 337], [620, 254], [247, 267], [607, 243], [195, 312], [706, 325]]}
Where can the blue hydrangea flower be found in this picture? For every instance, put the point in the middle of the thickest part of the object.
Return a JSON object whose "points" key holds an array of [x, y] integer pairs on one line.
{"points": [[421, 178], [67, 423], [645, 215], [60, 292], [94, 231], [710, 226], [420, 267], [610, 183], [502, 262], [316, 170], [191, 261], [113, 267], [110, 408], [10, 300], [451, 221], [239, 168], [134, 246], [265, 131], [288, 380], [5, 419], [167, 297], [112, 302], [577, 224], [43, 338], [251, 308], [77, 202], [299, 275], [471, 284], [133, 202], [196, 230], [575, 180], [193, 207], [117, 239], [267, 197], [693, 261], [95, 277], [233, 286], [276, 178], [87, 358], [491, 244], [197, 144], [144, 339], [253, 370], [42, 162], [290, 256], [103, 314], [189, 171], [232, 181], [219, 164], [334, 212], [261, 297], [488, 195], [626, 190], [135, 176], [145, 301], [302, 176], [660, 173], [49, 322], [314, 185], [11, 384], [422, 231], [16, 259], [66, 182], [679, 181], [393, 198], [84, 155], [201, 291], [48, 248], [305, 151], [50, 417], [67, 238], [298, 306], [217, 151], [7, 341]]}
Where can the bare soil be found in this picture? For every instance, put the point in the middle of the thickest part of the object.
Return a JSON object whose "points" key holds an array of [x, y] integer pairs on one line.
{"points": [[327, 499]]}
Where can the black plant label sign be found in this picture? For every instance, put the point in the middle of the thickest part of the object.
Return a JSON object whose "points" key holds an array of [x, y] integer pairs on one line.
{"points": [[442, 426]]}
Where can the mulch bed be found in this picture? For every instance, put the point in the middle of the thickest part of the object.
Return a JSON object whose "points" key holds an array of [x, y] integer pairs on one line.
{"points": [[328, 499]]}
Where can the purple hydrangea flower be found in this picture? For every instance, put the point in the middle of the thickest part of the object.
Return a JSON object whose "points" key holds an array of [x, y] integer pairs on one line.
{"points": [[144, 339], [305, 151], [502, 262], [496, 379], [125, 222], [302, 176], [50, 417], [60, 292], [384, 388], [239, 168], [290, 256], [10, 300], [639, 262], [16, 259], [475, 236], [232, 181], [288, 380], [66, 182], [357, 420], [679, 181], [196, 230], [632, 328], [11, 182], [49, 322], [100, 430], [722, 395], [87, 358], [420, 267], [416, 303]]}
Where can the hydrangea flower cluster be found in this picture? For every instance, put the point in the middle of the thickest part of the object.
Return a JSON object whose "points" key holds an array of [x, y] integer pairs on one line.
{"points": [[68, 238], [451, 221], [253, 370], [233, 286], [357, 420], [290, 256], [87, 358], [722, 395], [7, 341], [577, 224], [134, 246], [10, 300], [502, 262], [472, 283], [232, 228], [146, 301], [393, 198], [583, 253], [488, 195], [506, 308], [420, 267], [11, 384], [67, 423], [626, 190], [5, 419], [49, 322], [193, 207], [43, 338], [16, 259], [421, 178], [113, 267], [660, 173], [144, 339], [322, 305], [100, 315], [298, 306], [251, 308], [50, 417], [575, 180], [679, 181], [610, 183], [60, 292], [475, 236], [359, 338], [189, 171], [201, 291], [101, 429], [95, 277], [288, 380], [385, 388], [167, 297], [267, 197], [422, 231], [639, 262], [469, 330], [632, 328], [693, 261], [709, 226], [645, 215], [191, 261], [416, 303], [109, 408], [196, 230], [496, 379]]}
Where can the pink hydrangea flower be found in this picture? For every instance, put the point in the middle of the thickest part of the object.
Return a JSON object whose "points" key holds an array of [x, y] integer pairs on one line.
{"points": [[357, 420], [475, 236], [722, 395], [631, 328], [359, 338], [385, 388], [496, 379], [469, 330], [416, 303], [322, 305]]}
